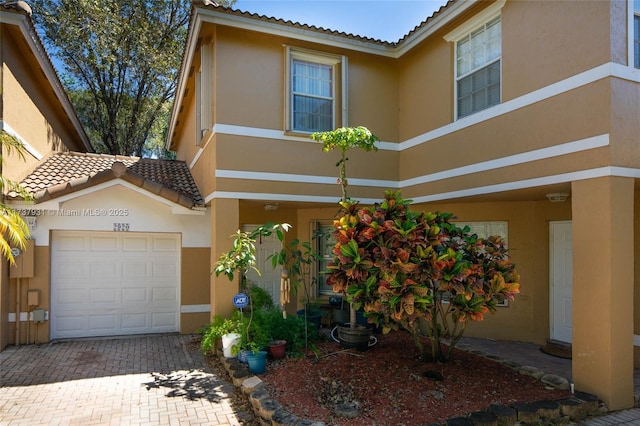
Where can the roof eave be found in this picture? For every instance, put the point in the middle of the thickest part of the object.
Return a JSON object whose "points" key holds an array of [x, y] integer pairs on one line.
{"points": [[25, 24]]}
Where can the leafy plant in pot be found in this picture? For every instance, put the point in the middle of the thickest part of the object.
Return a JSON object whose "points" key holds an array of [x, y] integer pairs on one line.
{"points": [[213, 333], [240, 259], [357, 281]]}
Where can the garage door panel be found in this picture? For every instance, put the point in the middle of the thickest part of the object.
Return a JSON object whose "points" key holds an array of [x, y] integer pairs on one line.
{"points": [[103, 323], [135, 322], [163, 294], [104, 244], [163, 244], [165, 270], [135, 269], [162, 321], [132, 244], [73, 325], [70, 297], [71, 244], [134, 295], [104, 296], [103, 270], [109, 283]]}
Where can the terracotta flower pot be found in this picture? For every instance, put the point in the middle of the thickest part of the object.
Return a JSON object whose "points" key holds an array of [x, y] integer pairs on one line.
{"points": [[277, 348]]}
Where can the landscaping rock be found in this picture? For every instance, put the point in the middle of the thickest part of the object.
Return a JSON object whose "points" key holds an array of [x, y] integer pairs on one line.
{"points": [[459, 421], [348, 411], [251, 384], [283, 418], [556, 381], [506, 415], [591, 402], [484, 418], [575, 409], [532, 371], [267, 408]]}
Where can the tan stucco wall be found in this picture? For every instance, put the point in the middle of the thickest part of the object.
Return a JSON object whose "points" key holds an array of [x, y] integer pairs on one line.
{"points": [[31, 332], [544, 30], [30, 108], [194, 286], [4, 303]]}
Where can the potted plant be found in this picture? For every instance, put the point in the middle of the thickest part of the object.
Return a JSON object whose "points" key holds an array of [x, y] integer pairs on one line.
{"points": [[221, 333], [241, 258], [344, 139]]}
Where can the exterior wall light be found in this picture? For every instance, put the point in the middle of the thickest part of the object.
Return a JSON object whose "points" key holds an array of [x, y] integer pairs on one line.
{"points": [[558, 197]]}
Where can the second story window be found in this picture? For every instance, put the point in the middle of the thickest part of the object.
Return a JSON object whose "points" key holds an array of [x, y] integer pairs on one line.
{"points": [[314, 91], [636, 33], [477, 61], [478, 68]]}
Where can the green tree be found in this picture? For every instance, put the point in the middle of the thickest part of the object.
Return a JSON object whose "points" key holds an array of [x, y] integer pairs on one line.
{"points": [[120, 61], [13, 231]]}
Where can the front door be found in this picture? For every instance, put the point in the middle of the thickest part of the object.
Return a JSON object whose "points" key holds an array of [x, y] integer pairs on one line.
{"points": [[269, 278], [561, 280]]}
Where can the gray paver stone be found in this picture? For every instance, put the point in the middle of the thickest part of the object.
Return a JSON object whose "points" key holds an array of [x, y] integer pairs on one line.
{"points": [[283, 418], [506, 415], [484, 418], [267, 408]]}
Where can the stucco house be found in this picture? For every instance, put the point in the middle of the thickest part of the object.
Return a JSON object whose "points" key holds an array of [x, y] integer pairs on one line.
{"points": [[119, 245], [519, 117]]}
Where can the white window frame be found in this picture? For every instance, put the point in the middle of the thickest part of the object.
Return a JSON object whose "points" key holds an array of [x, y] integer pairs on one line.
{"points": [[327, 257], [479, 20], [339, 64], [203, 84], [633, 11]]}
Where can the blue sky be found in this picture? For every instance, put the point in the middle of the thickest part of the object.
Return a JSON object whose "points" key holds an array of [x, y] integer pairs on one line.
{"points": [[386, 20]]}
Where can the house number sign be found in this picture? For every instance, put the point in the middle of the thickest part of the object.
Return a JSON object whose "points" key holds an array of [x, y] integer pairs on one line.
{"points": [[120, 227]]}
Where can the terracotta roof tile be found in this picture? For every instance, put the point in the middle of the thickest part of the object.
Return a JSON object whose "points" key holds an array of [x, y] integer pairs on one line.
{"points": [[64, 172], [289, 23]]}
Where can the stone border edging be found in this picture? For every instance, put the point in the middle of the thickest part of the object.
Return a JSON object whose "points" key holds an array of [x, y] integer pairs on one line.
{"points": [[577, 407]]}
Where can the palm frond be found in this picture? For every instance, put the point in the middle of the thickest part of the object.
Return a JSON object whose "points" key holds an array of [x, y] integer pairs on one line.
{"points": [[13, 231]]}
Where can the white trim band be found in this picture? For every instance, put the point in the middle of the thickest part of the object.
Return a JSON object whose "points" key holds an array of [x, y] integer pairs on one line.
{"points": [[195, 309]]}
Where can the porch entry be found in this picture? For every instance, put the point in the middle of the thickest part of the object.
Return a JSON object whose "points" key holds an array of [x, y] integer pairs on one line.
{"points": [[561, 280], [269, 278]]}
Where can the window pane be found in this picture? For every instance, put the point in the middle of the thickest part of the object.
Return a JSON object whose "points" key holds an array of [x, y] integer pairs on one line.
{"points": [[479, 90], [312, 86], [636, 39], [480, 47], [636, 5]]}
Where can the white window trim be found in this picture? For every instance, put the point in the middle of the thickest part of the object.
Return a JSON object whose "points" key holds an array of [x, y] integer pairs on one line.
{"points": [[320, 58], [463, 30], [477, 21], [631, 13]]}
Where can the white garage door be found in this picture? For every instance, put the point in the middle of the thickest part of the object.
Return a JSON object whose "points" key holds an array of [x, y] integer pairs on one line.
{"points": [[114, 283]]}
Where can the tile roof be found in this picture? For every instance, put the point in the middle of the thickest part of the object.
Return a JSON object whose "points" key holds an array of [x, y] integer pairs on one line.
{"points": [[212, 5], [65, 172]]}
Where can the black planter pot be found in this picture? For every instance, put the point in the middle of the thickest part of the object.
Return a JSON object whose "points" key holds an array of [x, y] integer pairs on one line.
{"points": [[354, 338], [313, 316]]}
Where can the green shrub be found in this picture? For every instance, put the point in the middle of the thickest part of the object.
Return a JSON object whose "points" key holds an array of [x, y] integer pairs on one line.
{"points": [[218, 327]]}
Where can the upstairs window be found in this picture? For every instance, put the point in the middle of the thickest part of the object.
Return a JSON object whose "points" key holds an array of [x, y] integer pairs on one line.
{"points": [[313, 91], [477, 62], [636, 33], [478, 68]]}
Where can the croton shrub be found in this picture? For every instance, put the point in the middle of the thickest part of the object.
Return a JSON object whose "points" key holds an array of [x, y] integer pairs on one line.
{"points": [[401, 266]]}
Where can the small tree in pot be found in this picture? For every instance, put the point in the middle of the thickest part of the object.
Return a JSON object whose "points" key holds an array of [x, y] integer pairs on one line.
{"points": [[344, 139]]}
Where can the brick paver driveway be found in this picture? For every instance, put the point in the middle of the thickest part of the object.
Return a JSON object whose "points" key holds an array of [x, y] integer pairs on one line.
{"points": [[150, 380]]}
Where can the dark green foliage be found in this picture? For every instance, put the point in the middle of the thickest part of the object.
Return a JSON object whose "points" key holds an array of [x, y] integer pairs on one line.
{"points": [[120, 63], [218, 327]]}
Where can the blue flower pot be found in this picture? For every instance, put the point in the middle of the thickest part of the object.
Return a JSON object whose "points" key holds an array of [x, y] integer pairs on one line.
{"points": [[242, 356], [257, 362]]}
